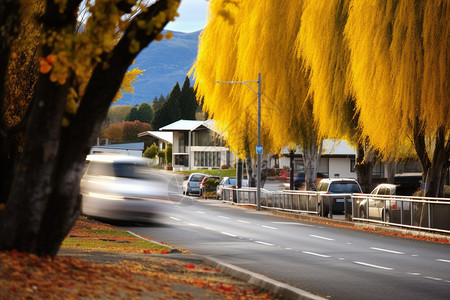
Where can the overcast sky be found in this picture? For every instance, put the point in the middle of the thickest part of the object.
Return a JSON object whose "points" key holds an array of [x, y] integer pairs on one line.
{"points": [[192, 16]]}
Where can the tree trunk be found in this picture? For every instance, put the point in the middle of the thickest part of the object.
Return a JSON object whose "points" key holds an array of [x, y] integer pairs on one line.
{"points": [[437, 172], [312, 150], [252, 175], [365, 161], [390, 170], [44, 200], [421, 150]]}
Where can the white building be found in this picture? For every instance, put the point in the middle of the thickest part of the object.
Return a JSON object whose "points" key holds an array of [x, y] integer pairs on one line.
{"points": [[196, 145]]}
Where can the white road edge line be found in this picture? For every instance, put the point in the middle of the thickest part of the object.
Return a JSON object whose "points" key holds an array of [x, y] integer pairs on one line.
{"points": [[173, 218], [386, 250], [223, 217], [229, 234], [269, 227], [372, 266], [321, 237], [316, 254], [263, 243], [293, 223], [443, 260], [414, 274], [200, 212]]}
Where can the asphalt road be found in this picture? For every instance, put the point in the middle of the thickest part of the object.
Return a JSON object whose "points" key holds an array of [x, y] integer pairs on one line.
{"points": [[326, 260]]}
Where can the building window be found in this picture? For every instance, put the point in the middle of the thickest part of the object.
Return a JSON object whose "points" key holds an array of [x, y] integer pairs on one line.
{"points": [[207, 159], [182, 160]]}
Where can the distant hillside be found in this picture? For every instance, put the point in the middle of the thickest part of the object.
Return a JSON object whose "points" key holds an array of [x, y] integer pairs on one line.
{"points": [[118, 113], [165, 63]]}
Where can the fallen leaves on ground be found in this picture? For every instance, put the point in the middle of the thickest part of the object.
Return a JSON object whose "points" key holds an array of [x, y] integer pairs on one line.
{"points": [[107, 275]]}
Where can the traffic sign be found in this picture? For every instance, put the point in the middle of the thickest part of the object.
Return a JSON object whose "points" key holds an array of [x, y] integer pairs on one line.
{"points": [[259, 149]]}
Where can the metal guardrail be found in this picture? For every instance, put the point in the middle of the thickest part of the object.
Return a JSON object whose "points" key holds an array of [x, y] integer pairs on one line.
{"points": [[432, 214], [410, 212]]}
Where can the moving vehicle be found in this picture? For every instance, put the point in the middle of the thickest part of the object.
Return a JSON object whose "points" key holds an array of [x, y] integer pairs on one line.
{"points": [[120, 187], [191, 186], [335, 186]]}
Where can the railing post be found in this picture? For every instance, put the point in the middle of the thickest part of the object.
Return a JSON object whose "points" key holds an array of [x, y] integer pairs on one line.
{"points": [[330, 208]]}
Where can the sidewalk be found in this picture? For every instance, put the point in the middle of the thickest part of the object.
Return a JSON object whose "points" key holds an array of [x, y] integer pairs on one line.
{"points": [[98, 261]]}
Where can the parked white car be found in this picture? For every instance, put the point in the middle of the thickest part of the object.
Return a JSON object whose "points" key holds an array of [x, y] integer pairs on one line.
{"points": [[380, 205]]}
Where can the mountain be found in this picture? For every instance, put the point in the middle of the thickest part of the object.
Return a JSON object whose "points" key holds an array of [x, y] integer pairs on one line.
{"points": [[165, 63]]}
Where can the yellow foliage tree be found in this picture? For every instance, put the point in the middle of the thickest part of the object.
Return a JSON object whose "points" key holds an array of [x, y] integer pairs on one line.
{"points": [[400, 71], [241, 40]]}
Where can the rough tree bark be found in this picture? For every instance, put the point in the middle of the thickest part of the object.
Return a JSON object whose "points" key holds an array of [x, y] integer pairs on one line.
{"points": [[312, 149], [44, 200], [252, 175], [365, 161]]}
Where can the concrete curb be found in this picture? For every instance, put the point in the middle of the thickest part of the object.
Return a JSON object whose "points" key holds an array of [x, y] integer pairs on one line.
{"points": [[172, 250], [271, 285]]}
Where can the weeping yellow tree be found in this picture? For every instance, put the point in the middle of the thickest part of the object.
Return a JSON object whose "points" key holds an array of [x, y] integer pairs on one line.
{"points": [[240, 41], [322, 47], [400, 75]]}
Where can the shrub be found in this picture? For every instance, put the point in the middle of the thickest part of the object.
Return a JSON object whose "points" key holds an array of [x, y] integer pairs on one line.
{"points": [[211, 184], [168, 154], [151, 151]]}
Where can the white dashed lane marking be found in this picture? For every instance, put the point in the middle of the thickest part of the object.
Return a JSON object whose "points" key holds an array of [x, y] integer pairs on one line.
{"points": [[264, 243], [386, 250], [268, 227], [229, 234], [245, 222], [321, 237], [372, 266], [316, 254]]}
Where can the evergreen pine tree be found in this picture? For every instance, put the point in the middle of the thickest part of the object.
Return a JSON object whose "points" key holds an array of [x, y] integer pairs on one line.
{"points": [[187, 101], [170, 110], [132, 115], [145, 113]]}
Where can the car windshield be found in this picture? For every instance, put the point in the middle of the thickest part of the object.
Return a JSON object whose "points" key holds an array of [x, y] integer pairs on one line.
{"points": [[124, 170], [197, 177], [344, 187], [232, 181]]}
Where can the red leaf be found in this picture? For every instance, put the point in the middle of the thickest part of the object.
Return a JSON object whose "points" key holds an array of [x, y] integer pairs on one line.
{"points": [[147, 251], [164, 252], [190, 267]]}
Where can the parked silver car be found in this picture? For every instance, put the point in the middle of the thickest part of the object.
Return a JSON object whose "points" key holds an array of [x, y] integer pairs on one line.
{"points": [[191, 186], [335, 186], [120, 187]]}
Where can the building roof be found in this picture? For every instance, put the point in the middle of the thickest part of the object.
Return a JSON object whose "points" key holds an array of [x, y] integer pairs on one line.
{"points": [[182, 125], [190, 125], [330, 148], [160, 135], [128, 146]]}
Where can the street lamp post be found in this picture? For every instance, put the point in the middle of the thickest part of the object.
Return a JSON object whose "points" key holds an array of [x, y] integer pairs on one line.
{"points": [[259, 148]]}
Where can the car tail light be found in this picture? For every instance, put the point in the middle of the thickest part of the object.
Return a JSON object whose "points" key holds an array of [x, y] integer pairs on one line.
{"points": [[188, 184], [394, 206]]}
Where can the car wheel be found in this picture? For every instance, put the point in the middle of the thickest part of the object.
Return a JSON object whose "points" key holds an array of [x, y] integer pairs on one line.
{"points": [[363, 213], [388, 217]]}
